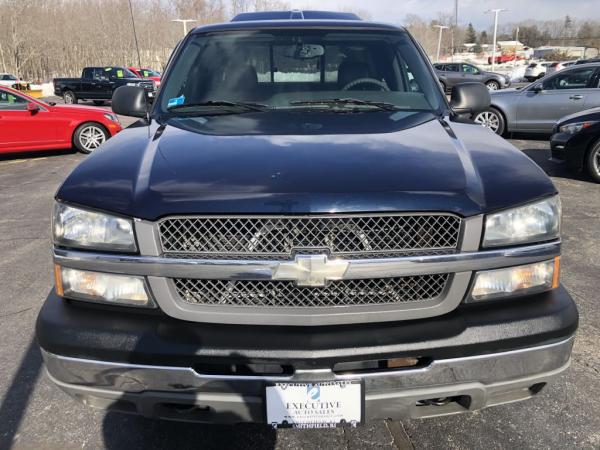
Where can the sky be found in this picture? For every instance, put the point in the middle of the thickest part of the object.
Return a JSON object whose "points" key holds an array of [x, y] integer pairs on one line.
{"points": [[394, 11]]}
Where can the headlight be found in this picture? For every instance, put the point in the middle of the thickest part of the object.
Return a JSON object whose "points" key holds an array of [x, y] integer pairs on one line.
{"points": [[513, 281], [74, 227], [535, 222], [101, 287], [573, 128], [112, 117]]}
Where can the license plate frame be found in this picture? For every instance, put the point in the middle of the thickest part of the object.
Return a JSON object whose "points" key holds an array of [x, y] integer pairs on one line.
{"points": [[351, 412]]}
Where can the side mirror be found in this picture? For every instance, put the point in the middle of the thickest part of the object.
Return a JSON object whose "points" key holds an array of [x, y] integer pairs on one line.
{"points": [[470, 98], [538, 88], [32, 107], [130, 101]]}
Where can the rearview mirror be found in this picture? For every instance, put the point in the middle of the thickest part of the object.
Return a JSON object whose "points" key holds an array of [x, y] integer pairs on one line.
{"points": [[304, 51], [470, 98], [32, 107], [130, 101]]}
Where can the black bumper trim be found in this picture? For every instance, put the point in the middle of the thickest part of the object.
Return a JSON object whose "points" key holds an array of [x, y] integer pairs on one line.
{"points": [[73, 330]]}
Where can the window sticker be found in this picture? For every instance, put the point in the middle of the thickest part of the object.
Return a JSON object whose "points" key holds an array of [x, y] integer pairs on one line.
{"points": [[119, 74], [176, 101]]}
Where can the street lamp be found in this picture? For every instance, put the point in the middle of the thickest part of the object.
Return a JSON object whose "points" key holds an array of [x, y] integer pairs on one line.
{"points": [[184, 22], [442, 28], [496, 12]]}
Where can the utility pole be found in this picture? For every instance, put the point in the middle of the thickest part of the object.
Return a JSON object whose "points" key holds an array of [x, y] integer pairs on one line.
{"points": [[137, 47], [516, 43], [184, 22], [442, 28], [496, 12]]}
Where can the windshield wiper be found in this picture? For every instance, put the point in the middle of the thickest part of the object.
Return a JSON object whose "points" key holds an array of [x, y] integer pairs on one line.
{"points": [[239, 106], [333, 102]]}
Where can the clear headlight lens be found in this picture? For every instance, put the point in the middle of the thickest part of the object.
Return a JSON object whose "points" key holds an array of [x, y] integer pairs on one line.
{"points": [[101, 287], [573, 128], [514, 281], [74, 227], [535, 222], [112, 117]]}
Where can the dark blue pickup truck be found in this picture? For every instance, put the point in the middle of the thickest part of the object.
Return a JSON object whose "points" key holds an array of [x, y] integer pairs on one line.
{"points": [[302, 230]]}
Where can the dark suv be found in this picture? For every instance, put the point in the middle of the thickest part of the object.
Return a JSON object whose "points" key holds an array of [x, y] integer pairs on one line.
{"points": [[301, 230]]}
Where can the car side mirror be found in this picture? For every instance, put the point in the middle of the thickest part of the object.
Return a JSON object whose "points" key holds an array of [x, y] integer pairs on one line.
{"points": [[538, 88], [470, 98], [32, 107], [130, 101]]}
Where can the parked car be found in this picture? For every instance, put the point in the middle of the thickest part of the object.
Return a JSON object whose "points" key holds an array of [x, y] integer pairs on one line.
{"points": [[147, 74], [98, 84], [537, 107], [451, 74], [576, 142], [587, 61], [8, 80], [558, 66], [305, 253], [536, 70], [31, 124]]}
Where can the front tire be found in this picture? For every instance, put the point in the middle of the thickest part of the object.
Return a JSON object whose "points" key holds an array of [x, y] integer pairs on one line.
{"points": [[70, 98], [89, 136], [592, 162], [492, 119], [493, 85]]}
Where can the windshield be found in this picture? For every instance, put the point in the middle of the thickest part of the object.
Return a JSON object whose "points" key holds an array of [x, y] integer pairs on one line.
{"points": [[149, 73], [307, 69]]}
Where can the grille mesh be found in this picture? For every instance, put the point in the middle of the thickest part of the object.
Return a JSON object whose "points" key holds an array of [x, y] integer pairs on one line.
{"points": [[382, 236], [284, 294]]}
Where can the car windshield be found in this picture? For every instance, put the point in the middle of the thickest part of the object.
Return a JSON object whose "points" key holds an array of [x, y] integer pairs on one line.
{"points": [[289, 69], [149, 73]]}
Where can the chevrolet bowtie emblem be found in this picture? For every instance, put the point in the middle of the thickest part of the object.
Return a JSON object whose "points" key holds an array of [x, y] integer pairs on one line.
{"points": [[311, 270]]}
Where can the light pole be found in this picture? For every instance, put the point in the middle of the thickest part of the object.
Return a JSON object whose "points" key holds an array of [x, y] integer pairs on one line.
{"points": [[184, 22], [442, 28], [137, 47], [496, 12], [516, 43]]}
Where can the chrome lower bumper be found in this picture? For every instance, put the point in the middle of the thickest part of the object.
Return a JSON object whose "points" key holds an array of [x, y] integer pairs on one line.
{"points": [[180, 393]]}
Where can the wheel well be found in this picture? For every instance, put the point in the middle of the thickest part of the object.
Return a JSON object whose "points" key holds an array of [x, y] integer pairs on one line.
{"points": [[502, 113]]}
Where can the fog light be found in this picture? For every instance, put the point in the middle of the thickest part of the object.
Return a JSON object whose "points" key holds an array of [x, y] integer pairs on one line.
{"points": [[514, 281], [101, 287]]}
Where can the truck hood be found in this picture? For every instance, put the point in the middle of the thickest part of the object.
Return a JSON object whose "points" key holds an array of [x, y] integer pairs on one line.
{"points": [[153, 171]]}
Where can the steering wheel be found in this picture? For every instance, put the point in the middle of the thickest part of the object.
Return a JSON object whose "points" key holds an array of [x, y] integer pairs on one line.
{"points": [[380, 84]]}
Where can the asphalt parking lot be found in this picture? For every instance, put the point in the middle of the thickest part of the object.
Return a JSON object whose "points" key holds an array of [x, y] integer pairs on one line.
{"points": [[35, 414]]}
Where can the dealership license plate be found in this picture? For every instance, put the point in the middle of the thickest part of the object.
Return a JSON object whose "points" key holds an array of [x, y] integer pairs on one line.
{"points": [[317, 405]]}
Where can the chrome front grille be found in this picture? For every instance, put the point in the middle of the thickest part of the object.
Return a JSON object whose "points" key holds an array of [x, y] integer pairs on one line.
{"points": [[348, 236], [285, 294]]}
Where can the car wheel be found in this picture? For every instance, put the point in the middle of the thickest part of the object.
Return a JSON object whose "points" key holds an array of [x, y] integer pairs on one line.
{"points": [[444, 88], [89, 136], [593, 162], [493, 85], [69, 97], [541, 75], [99, 102], [492, 119]]}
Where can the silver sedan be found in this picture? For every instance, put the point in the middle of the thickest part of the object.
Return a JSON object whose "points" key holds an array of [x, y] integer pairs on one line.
{"points": [[537, 107]]}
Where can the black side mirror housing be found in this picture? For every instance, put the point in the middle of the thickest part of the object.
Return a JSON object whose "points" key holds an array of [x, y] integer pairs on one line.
{"points": [[538, 88], [470, 98], [130, 101]]}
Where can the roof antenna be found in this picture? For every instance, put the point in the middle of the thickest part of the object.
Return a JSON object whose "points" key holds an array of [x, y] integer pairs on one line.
{"points": [[297, 14]]}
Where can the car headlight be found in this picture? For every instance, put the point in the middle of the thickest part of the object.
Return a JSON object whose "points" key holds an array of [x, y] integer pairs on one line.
{"points": [[535, 222], [112, 117], [101, 287], [515, 281], [573, 128], [75, 227]]}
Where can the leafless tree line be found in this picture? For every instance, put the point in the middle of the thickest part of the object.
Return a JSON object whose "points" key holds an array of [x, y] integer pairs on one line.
{"points": [[41, 39]]}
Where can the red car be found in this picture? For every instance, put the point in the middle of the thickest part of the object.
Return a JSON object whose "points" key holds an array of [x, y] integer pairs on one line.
{"points": [[28, 124], [148, 74]]}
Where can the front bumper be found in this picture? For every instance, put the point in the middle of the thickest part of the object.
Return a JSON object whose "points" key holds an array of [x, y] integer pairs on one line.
{"points": [[568, 149], [151, 364], [444, 387]]}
